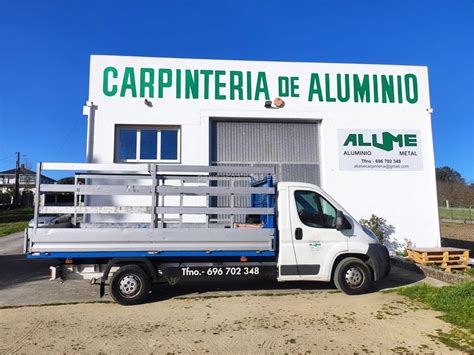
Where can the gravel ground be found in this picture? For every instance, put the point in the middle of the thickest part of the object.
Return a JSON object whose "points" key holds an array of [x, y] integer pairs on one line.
{"points": [[265, 317], [298, 323], [458, 231]]}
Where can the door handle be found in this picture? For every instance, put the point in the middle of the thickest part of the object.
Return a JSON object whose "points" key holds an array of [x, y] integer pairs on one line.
{"points": [[298, 233]]}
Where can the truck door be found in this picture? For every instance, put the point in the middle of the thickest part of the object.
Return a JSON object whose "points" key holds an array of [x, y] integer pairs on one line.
{"points": [[316, 241]]}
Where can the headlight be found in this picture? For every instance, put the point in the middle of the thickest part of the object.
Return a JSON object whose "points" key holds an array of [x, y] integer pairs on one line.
{"points": [[371, 234]]}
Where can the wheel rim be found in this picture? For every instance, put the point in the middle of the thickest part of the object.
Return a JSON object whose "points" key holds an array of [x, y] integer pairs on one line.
{"points": [[130, 286], [354, 277]]}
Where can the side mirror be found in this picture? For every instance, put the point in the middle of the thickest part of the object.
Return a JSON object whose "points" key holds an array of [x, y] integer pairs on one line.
{"points": [[339, 220]]}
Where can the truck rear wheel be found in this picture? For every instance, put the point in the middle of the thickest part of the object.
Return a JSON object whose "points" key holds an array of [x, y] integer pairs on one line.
{"points": [[352, 276], [130, 285]]}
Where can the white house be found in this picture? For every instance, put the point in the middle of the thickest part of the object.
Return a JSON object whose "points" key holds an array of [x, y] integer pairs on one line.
{"points": [[27, 179]]}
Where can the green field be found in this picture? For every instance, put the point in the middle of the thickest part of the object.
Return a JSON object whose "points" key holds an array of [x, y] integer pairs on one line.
{"points": [[456, 213]]}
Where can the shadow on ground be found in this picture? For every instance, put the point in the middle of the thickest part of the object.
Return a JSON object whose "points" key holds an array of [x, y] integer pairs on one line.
{"points": [[397, 278], [26, 282], [17, 269], [456, 243]]}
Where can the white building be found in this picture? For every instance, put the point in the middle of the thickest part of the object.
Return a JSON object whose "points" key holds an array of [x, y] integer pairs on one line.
{"points": [[362, 132], [27, 180]]}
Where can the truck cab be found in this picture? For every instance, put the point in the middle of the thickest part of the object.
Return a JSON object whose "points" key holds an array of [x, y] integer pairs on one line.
{"points": [[319, 241]]}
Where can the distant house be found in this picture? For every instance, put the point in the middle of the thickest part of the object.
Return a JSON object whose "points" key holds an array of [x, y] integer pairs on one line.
{"points": [[27, 179]]}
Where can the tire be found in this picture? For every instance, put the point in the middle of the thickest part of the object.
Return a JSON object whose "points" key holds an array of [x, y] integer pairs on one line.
{"points": [[130, 285], [352, 276]]}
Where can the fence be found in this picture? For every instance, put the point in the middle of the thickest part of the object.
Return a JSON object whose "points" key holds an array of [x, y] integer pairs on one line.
{"points": [[457, 214]]}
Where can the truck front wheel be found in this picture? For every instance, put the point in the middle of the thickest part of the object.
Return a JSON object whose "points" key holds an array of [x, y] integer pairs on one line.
{"points": [[130, 285], [352, 276]]}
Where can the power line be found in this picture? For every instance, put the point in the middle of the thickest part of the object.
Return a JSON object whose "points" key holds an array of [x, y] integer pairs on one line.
{"points": [[7, 157]]}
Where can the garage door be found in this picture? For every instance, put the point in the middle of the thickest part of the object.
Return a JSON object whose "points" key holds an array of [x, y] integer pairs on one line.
{"points": [[292, 148]]}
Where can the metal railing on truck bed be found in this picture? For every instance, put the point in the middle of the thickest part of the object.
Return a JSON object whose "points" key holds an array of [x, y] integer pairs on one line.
{"points": [[170, 192]]}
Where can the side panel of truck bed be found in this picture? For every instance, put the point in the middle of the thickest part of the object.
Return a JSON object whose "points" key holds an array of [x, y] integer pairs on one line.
{"points": [[151, 239]]}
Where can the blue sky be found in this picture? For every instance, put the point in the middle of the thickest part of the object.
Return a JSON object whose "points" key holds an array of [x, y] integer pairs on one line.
{"points": [[45, 48]]}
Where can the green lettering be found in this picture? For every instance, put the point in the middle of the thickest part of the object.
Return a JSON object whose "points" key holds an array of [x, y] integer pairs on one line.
{"points": [[315, 88], [219, 85], [410, 140], [105, 83], [294, 86], [162, 83], [399, 89], [178, 83], [347, 95], [387, 141], [387, 89], [283, 86], [376, 88], [392, 138], [147, 79], [262, 86], [412, 97], [360, 138], [361, 89], [207, 74], [351, 138], [249, 85], [328, 89], [192, 84], [128, 82], [236, 85]]}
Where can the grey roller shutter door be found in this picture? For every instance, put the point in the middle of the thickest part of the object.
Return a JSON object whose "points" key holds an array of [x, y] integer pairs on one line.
{"points": [[292, 148]]}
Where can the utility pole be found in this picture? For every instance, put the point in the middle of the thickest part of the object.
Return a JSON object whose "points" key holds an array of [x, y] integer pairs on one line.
{"points": [[16, 193]]}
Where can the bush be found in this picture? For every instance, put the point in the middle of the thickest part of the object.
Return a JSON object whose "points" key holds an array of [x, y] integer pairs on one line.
{"points": [[5, 199], [379, 226]]}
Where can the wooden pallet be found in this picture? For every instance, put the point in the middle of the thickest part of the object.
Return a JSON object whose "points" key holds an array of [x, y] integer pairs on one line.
{"points": [[446, 258]]}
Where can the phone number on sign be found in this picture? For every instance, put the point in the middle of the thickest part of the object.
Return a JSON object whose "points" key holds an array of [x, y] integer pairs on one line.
{"points": [[220, 271]]}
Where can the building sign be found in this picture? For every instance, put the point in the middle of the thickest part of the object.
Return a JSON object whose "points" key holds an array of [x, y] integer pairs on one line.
{"points": [[381, 149], [210, 84]]}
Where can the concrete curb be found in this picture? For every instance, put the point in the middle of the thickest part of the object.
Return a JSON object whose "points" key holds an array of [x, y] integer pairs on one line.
{"points": [[429, 271]]}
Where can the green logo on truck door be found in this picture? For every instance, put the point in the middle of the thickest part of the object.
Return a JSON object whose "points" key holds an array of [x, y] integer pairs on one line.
{"points": [[385, 142]]}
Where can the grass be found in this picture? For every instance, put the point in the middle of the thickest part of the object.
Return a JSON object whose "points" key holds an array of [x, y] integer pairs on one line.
{"points": [[457, 304], [14, 220], [9, 228], [468, 272], [456, 213]]}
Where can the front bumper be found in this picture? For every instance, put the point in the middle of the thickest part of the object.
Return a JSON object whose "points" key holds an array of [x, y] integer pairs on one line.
{"points": [[379, 261]]}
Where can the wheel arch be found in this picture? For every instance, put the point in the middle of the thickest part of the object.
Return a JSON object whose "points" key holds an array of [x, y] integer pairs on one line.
{"points": [[364, 257], [143, 263]]}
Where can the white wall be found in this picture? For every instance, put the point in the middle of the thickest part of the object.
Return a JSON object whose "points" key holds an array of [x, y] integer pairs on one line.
{"points": [[407, 199]]}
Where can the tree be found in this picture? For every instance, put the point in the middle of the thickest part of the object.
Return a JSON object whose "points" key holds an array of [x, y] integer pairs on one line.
{"points": [[448, 174], [453, 188], [66, 180]]}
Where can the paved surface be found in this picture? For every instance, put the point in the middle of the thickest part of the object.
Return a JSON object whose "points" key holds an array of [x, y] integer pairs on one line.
{"points": [[11, 244], [26, 282]]}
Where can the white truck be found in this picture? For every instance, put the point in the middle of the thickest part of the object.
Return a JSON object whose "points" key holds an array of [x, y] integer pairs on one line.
{"points": [[201, 222]]}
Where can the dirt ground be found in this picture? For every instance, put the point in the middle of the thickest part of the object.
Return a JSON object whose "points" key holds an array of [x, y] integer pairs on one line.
{"points": [[299, 323], [459, 231]]}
